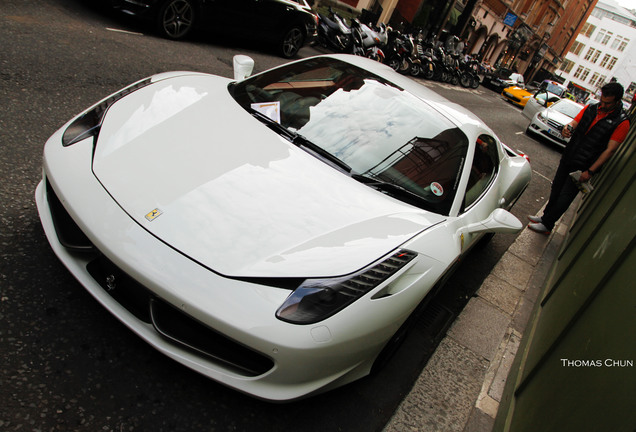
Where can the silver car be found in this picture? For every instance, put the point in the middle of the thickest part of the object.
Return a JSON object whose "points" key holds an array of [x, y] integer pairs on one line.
{"points": [[549, 122]]}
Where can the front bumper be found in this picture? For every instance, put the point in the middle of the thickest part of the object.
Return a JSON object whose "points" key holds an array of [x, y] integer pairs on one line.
{"points": [[177, 305], [548, 130]]}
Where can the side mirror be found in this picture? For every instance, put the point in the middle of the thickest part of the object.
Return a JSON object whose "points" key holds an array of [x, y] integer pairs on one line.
{"points": [[499, 221], [243, 67]]}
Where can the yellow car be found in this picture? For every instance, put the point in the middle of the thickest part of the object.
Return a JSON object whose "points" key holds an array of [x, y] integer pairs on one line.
{"points": [[549, 91], [516, 95]]}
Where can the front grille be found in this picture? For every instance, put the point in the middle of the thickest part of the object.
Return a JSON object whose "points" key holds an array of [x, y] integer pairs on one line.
{"points": [[173, 324], [169, 322], [511, 97], [554, 124]]}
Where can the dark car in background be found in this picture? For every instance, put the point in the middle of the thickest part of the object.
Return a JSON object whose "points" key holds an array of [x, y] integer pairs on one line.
{"points": [[282, 24], [502, 78]]}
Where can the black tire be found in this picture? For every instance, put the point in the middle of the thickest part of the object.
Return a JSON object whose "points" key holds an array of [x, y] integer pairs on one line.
{"points": [[176, 19], [405, 66], [292, 42], [475, 82], [429, 72], [465, 80], [416, 70], [394, 63]]}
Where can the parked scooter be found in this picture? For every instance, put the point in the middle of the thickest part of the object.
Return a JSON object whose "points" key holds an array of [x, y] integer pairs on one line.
{"points": [[368, 42], [470, 73], [397, 51], [334, 33]]}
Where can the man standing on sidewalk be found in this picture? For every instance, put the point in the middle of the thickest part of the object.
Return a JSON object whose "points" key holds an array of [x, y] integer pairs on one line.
{"points": [[596, 132]]}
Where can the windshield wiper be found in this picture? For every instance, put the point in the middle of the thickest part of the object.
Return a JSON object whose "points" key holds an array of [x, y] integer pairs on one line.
{"points": [[301, 141], [395, 191]]}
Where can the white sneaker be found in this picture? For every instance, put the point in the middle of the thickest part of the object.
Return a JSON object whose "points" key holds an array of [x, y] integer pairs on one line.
{"points": [[538, 227], [535, 219]]}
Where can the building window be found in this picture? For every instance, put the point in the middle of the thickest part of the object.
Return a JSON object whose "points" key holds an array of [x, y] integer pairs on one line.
{"points": [[612, 63], [589, 54], [567, 66], [594, 79], [605, 60], [620, 43], [600, 35], [595, 57], [607, 38], [588, 29], [577, 47], [603, 36], [578, 72], [585, 73]]}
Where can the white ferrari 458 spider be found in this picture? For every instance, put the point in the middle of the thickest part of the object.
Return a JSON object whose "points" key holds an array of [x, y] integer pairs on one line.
{"points": [[274, 232]]}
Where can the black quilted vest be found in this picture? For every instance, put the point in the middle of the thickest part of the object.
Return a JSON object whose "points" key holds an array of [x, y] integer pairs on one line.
{"points": [[586, 146]]}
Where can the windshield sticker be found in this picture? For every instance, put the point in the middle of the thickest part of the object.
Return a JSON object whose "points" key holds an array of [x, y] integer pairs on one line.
{"points": [[270, 109], [437, 189]]}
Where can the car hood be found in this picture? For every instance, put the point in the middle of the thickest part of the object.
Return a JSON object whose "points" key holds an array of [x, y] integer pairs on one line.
{"points": [[557, 116], [197, 171]]}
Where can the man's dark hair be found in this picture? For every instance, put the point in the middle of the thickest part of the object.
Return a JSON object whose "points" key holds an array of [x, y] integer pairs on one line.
{"points": [[613, 89]]}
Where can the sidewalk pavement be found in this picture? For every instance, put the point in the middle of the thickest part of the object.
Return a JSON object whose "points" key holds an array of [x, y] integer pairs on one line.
{"points": [[461, 386]]}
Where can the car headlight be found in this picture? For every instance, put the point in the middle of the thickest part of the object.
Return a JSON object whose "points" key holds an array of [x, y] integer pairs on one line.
{"points": [[317, 299], [88, 124], [540, 117]]}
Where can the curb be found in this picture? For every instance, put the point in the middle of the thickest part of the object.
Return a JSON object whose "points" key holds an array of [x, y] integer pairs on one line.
{"points": [[461, 386]]}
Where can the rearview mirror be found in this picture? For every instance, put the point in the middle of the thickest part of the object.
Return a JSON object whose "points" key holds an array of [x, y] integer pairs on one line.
{"points": [[499, 221], [243, 67]]}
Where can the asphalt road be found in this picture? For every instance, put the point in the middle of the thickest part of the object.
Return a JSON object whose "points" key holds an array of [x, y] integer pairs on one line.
{"points": [[67, 364]]}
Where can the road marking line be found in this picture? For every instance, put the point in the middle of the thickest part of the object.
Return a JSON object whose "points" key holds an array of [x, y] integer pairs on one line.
{"points": [[124, 31], [541, 175]]}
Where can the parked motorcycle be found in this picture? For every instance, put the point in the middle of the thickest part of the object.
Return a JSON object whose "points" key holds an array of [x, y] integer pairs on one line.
{"points": [[470, 73], [397, 51], [368, 42], [334, 33]]}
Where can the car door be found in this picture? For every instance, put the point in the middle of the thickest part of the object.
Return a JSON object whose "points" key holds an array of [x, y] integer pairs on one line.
{"points": [[535, 104], [481, 195]]}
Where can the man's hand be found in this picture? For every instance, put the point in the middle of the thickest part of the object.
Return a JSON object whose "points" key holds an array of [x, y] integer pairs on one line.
{"points": [[585, 176]]}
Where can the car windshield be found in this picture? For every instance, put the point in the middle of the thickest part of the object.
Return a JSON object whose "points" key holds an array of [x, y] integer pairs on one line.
{"points": [[568, 108], [386, 135], [555, 89]]}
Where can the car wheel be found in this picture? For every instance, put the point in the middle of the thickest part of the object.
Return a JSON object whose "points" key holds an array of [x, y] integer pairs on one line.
{"points": [[176, 18], [292, 42]]}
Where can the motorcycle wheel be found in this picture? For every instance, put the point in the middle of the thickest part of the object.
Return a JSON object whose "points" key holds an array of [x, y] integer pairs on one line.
{"points": [[394, 63], [454, 79], [292, 41], [415, 70], [405, 66], [429, 73], [465, 80], [176, 19], [475, 82]]}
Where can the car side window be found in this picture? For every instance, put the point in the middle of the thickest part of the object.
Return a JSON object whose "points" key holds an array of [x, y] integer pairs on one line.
{"points": [[484, 167], [541, 97]]}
